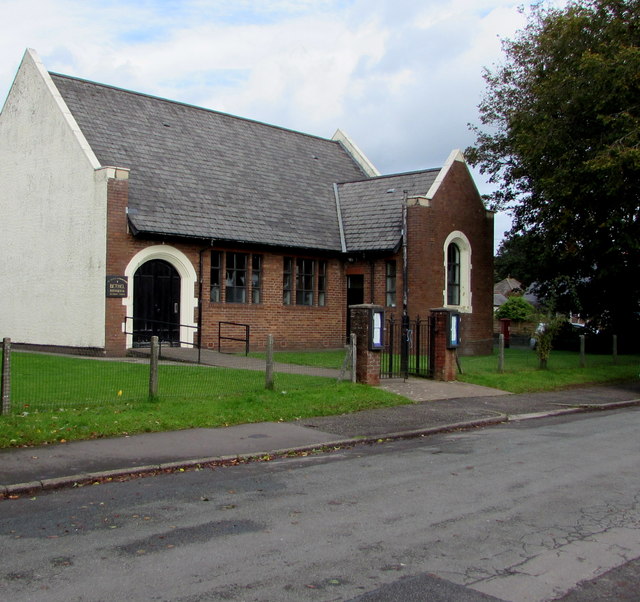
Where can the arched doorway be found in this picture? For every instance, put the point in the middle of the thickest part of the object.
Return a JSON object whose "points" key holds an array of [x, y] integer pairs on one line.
{"points": [[156, 303]]}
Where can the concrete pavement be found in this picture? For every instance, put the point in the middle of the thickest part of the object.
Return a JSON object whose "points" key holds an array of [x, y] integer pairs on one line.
{"points": [[436, 407]]}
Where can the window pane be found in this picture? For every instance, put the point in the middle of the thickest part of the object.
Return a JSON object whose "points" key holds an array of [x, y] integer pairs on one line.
{"points": [[216, 260], [390, 281], [322, 283], [256, 279], [236, 278], [304, 281], [287, 280], [453, 275]]}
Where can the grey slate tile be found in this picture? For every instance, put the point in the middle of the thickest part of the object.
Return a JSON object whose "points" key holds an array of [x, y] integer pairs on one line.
{"points": [[372, 208], [205, 174]]}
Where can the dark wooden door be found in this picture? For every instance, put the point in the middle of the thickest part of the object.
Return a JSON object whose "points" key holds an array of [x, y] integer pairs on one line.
{"points": [[355, 295], [156, 303]]}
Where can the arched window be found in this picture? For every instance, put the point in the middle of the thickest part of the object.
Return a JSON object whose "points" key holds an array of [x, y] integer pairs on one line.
{"points": [[457, 265], [453, 274]]}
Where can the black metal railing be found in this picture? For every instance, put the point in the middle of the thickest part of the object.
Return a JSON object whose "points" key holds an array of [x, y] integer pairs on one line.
{"points": [[168, 333], [406, 348], [233, 331]]}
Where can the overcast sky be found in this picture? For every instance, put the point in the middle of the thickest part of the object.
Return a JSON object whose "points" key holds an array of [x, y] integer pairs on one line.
{"points": [[402, 78]]}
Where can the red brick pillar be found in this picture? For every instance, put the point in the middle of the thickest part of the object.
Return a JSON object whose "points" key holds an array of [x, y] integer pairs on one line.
{"points": [[118, 255], [367, 360], [444, 359]]}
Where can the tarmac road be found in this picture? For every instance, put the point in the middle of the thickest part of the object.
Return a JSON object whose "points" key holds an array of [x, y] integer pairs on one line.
{"points": [[524, 510], [437, 407]]}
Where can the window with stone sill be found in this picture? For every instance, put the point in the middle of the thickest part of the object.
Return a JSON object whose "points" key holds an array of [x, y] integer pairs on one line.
{"points": [[457, 272]]}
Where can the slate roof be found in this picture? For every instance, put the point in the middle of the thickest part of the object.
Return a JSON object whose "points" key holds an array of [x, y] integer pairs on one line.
{"points": [[507, 286], [372, 208], [203, 174], [499, 299]]}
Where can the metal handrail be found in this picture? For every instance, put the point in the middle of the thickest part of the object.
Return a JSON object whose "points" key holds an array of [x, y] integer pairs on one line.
{"points": [[244, 340]]}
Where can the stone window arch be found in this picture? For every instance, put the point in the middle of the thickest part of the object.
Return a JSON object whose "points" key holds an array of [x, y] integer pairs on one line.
{"points": [[457, 269]]}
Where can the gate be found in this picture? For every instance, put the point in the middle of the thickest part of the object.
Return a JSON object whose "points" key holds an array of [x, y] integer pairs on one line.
{"points": [[406, 350]]}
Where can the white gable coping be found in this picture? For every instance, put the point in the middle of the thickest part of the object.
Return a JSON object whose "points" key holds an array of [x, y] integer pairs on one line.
{"points": [[32, 56], [455, 155], [357, 155]]}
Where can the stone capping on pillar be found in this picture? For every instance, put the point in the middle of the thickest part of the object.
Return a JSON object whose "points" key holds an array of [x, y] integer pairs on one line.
{"points": [[367, 360], [444, 359]]}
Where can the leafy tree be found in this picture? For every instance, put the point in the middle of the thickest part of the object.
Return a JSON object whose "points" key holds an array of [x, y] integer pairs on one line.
{"points": [[516, 308], [518, 256], [560, 136], [548, 327]]}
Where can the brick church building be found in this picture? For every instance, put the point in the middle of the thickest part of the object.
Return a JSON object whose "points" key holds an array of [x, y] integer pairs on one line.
{"points": [[126, 215]]}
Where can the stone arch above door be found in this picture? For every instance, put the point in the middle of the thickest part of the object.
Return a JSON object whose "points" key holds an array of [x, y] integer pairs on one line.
{"points": [[188, 278]]}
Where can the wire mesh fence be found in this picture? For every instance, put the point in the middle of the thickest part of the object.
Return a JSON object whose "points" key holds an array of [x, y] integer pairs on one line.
{"points": [[51, 381]]}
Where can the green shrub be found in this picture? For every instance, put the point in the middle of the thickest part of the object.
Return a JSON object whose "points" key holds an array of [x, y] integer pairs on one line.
{"points": [[516, 308]]}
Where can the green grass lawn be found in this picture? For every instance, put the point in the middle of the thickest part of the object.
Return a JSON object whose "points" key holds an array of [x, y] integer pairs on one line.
{"points": [[522, 373], [46, 381], [57, 399], [331, 358]]}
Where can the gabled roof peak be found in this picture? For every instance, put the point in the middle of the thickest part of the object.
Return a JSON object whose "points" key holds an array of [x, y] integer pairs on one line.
{"points": [[454, 156], [358, 156]]}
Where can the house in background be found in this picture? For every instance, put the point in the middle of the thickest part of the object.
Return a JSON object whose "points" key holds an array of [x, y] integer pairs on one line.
{"points": [[507, 287], [126, 215], [510, 286]]}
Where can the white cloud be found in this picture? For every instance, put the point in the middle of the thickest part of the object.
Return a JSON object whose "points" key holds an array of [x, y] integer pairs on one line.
{"points": [[403, 78]]}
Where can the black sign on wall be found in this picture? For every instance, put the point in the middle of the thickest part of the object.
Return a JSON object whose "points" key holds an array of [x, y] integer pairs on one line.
{"points": [[117, 286]]}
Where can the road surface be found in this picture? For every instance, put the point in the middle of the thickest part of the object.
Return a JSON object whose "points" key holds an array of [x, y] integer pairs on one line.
{"points": [[521, 511]]}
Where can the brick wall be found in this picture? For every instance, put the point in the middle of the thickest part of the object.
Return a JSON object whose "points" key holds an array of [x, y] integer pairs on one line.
{"points": [[459, 198], [118, 255], [293, 326], [121, 248], [456, 206]]}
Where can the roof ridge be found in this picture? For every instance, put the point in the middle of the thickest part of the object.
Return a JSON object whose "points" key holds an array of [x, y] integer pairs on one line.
{"points": [[391, 175], [192, 106]]}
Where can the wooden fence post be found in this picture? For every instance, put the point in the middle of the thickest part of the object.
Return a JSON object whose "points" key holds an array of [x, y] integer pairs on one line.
{"points": [[583, 361], [269, 367], [153, 368], [349, 361], [5, 384], [501, 354], [615, 348]]}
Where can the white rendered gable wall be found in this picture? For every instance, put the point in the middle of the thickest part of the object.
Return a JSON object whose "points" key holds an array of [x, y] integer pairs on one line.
{"points": [[53, 219]]}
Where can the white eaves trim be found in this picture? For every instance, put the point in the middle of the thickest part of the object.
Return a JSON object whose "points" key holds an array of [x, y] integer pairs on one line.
{"points": [[358, 156], [32, 55]]}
